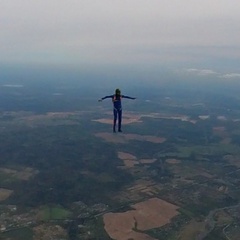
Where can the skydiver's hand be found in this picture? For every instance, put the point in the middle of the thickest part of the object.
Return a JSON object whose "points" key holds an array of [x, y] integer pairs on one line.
{"points": [[100, 100]]}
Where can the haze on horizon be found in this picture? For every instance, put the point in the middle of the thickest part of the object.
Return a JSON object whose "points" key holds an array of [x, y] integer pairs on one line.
{"points": [[197, 38]]}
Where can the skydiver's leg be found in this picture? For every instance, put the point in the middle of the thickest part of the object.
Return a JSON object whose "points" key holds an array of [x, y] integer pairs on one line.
{"points": [[114, 119], [120, 120]]}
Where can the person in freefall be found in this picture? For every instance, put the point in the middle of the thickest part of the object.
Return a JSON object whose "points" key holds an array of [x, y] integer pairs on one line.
{"points": [[117, 108]]}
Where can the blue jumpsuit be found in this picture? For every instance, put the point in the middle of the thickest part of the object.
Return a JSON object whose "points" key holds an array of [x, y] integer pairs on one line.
{"points": [[117, 109]]}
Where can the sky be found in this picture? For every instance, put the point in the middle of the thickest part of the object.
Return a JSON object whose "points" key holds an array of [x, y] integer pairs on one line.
{"points": [[196, 37]]}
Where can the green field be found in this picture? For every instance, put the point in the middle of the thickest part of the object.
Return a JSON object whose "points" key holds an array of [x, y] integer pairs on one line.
{"points": [[54, 213]]}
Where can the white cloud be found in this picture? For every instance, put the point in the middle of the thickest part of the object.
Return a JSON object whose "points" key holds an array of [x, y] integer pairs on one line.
{"points": [[12, 85], [231, 75], [206, 72], [201, 72]]}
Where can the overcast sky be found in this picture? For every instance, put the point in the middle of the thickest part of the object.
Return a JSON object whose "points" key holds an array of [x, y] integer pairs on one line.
{"points": [[200, 36]]}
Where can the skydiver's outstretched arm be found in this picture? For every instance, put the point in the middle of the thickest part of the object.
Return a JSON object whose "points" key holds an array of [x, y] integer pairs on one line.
{"points": [[123, 96], [110, 96]]}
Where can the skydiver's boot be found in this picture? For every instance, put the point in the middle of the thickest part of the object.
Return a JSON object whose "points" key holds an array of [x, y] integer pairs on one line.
{"points": [[119, 129], [114, 128]]}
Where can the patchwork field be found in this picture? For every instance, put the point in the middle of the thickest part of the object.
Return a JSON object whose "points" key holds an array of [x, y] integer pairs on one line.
{"points": [[191, 230], [5, 193], [20, 174], [131, 160], [234, 160], [128, 159], [130, 117], [127, 118], [147, 161], [152, 213], [197, 169], [173, 161], [124, 138], [139, 189], [44, 232], [47, 213]]}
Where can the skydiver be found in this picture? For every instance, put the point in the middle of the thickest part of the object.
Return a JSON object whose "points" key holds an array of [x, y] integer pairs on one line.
{"points": [[117, 108]]}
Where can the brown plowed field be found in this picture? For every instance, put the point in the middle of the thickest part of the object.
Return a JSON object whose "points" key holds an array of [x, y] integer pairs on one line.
{"points": [[5, 193], [124, 138], [152, 213], [126, 156], [173, 161]]}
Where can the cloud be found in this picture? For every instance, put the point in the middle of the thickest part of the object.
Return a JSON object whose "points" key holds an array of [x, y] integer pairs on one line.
{"points": [[13, 85], [201, 72], [231, 75], [207, 72]]}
